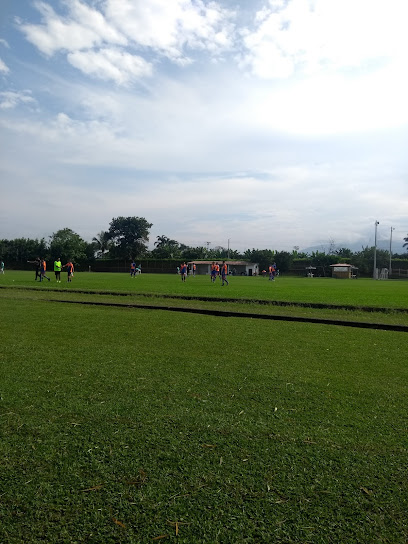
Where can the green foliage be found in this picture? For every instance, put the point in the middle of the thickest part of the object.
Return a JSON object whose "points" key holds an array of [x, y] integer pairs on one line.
{"points": [[101, 243], [283, 261], [68, 245], [21, 250], [344, 253], [129, 236], [364, 260], [194, 253], [165, 248], [264, 257], [322, 262]]}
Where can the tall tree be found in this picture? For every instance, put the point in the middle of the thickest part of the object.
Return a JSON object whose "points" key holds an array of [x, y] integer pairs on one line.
{"points": [[283, 260], [68, 245], [101, 242], [166, 248], [344, 252], [364, 259], [264, 257], [129, 236]]}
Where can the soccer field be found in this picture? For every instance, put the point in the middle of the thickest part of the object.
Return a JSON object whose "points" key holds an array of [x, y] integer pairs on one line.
{"points": [[124, 424]]}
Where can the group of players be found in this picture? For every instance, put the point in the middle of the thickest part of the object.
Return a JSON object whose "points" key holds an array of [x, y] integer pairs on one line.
{"points": [[41, 269], [135, 269], [216, 271], [222, 273]]}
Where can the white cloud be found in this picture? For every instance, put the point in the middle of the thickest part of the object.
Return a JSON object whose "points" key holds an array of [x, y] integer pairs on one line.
{"points": [[170, 29], [321, 149], [314, 35], [82, 29], [4, 42], [3, 67], [111, 64], [10, 99]]}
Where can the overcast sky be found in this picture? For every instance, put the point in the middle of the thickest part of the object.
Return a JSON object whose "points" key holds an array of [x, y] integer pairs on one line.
{"points": [[271, 124]]}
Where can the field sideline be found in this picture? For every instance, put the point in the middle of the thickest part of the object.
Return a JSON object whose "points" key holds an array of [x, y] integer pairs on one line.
{"points": [[129, 425]]}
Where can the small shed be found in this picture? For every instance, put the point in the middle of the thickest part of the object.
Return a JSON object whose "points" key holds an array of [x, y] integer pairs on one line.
{"points": [[236, 268], [343, 270]]}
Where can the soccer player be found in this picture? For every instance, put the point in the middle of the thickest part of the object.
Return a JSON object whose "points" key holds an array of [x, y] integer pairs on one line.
{"points": [[217, 271], [224, 273], [213, 272], [57, 269], [272, 269], [133, 269], [183, 272], [37, 263], [43, 269], [70, 270], [1, 267], [194, 270]]}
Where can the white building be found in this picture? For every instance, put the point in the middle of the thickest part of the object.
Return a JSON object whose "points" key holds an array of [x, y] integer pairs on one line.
{"points": [[236, 268]]}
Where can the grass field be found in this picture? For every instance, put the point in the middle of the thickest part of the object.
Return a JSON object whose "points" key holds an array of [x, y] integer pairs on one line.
{"points": [[138, 425]]}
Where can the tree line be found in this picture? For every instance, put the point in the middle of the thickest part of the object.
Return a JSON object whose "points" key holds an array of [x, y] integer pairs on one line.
{"points": [[127, 238]]}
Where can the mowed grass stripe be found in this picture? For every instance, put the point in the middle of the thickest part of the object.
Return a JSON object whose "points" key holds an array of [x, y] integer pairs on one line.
{"points": [[314, 305], [241, 430]]}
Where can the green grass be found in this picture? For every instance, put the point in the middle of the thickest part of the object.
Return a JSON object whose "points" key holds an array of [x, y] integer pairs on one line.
{"points": [[362, 292], [117, 423]]}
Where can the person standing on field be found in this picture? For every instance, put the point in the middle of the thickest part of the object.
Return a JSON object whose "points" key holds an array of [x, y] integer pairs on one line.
{"points": [[133, 269], [57, 269], [183, 271], [213, 272], [2, 267], [70, 270], [43, 269], [37, 263], [224, 273]]}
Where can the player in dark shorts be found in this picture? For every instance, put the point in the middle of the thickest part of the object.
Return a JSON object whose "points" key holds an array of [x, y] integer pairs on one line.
{"points": [[43, 269], [213, 272], [183, 271], [224, 273], [70, 270], [37, 263]]}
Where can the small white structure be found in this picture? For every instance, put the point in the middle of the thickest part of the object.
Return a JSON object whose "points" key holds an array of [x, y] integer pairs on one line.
{"points": [[309, 271], [236, 268]]}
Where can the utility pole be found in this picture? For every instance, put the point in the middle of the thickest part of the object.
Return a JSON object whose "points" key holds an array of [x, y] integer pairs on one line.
{"points": [[390, 268], [375, 272], [228, 247]]}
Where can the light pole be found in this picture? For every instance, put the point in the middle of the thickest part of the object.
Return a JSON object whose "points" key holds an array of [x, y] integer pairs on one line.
{"points": [[375, 273], [228, 246], [390, 269]]}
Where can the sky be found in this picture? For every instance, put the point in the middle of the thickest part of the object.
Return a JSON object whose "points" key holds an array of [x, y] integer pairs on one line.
{"points": [[268, 124]]}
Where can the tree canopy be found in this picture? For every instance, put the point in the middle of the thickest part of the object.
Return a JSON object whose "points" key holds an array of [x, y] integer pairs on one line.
{"points": [[68, 245], [129, 236]]}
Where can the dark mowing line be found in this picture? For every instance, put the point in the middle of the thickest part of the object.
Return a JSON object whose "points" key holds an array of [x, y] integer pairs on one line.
{"points": [[318, 305], [221, 313]]}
